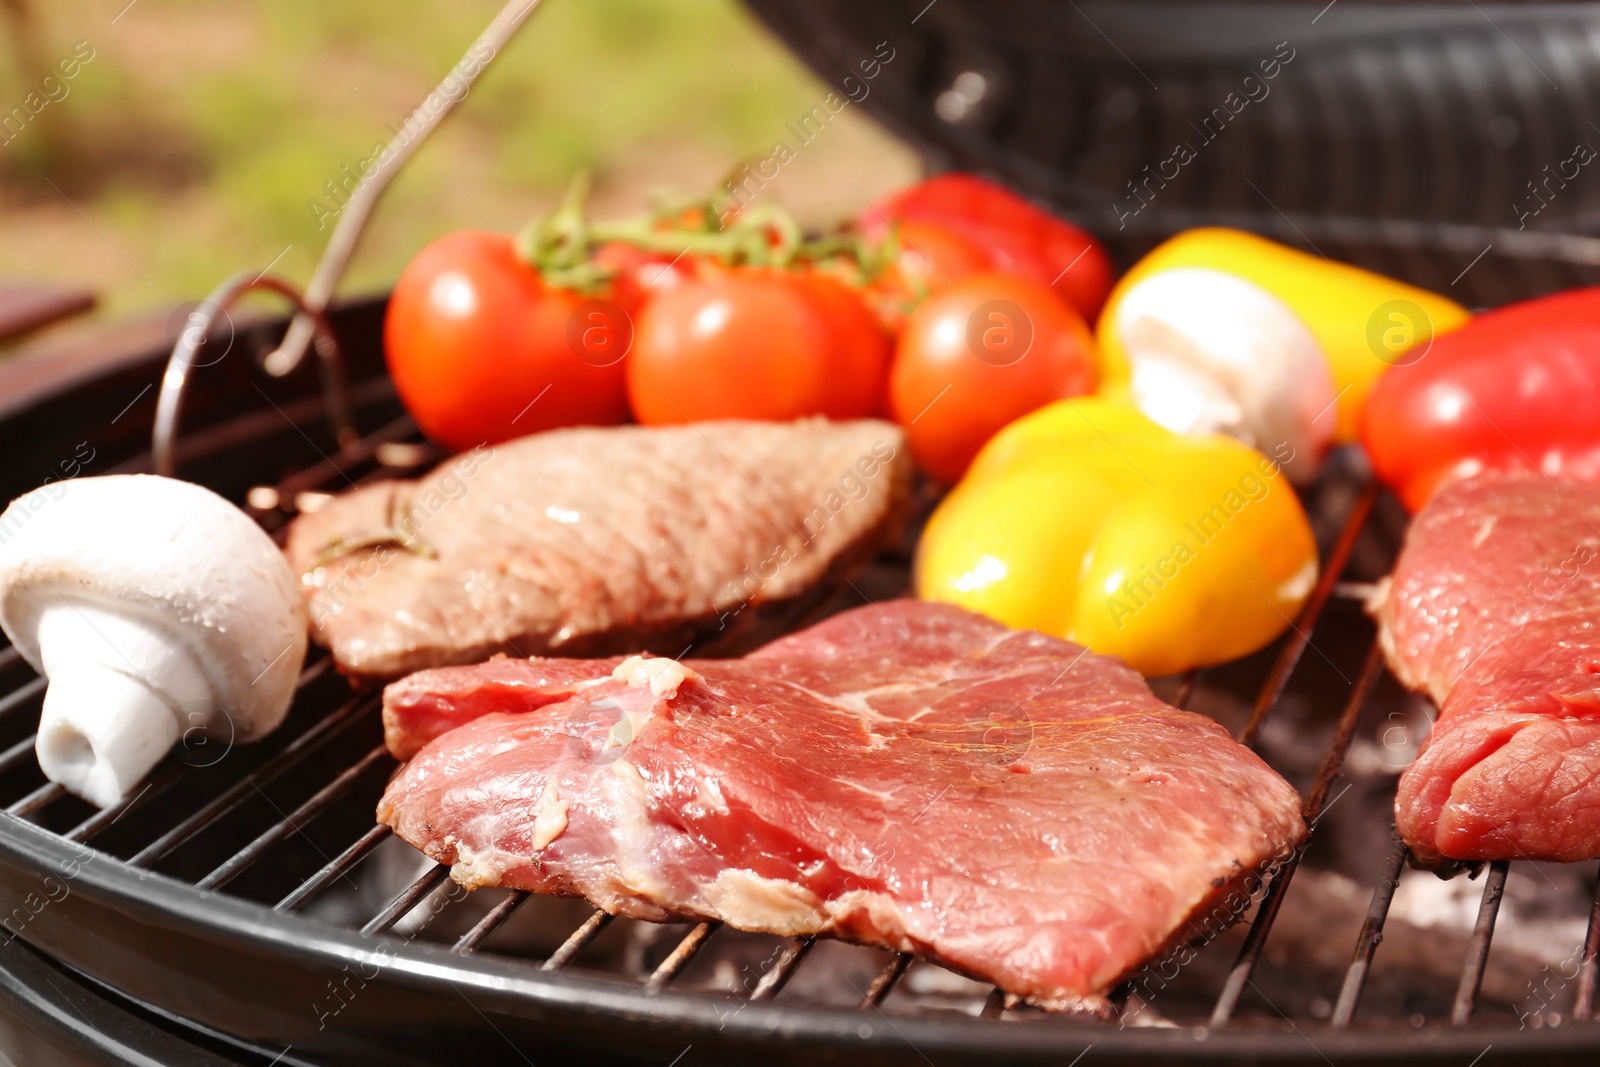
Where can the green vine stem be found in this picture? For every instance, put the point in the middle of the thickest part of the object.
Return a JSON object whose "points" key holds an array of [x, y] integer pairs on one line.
{"points": [[561, 245]]}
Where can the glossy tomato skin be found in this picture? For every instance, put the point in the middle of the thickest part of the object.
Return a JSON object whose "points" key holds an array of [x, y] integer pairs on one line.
{"points": [[978, 355], [482, 350], [932, 255], [1516, 387], [1019, 237], [637, 274], [928, 256], [757, 343]]}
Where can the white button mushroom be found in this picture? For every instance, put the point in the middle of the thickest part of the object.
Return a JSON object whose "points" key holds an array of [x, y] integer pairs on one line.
{"points": [[155, 608], [1211, 352]]}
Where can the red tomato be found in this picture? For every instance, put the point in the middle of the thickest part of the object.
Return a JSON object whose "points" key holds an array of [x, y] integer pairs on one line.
{"points": [[929, 256], [482, 350], [757, 343], [1517, 387], [1019, 238], [933, 255], [979, 354], [638, 275]]}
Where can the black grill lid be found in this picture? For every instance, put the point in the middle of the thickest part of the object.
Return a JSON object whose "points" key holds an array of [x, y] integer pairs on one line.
{"points": [[1409, 138]]}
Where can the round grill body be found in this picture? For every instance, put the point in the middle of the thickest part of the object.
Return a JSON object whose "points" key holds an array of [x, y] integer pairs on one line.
{"points": [[245, 910]]}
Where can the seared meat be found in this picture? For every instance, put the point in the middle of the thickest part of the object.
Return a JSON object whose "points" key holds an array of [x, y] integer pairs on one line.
{"points": [[590, 541], [905, 774], [1494, 610]]}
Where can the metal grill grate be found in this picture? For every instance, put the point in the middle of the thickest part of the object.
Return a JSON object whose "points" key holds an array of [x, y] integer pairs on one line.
{"points": [[222, 830]]}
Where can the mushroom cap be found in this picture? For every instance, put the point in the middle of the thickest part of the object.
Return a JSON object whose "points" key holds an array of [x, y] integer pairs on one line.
{"points": [[1213, 352], [175, 555]]}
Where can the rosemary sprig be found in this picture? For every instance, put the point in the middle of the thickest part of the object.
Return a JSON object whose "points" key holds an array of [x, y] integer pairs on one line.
{"points": [[398, 533]]}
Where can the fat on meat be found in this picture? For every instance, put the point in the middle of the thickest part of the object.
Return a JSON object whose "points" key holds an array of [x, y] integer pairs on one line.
{"points": [[905, 774]]}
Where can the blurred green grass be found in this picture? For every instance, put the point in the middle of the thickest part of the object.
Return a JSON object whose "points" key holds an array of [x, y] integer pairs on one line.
{"points": [[193, 143]]}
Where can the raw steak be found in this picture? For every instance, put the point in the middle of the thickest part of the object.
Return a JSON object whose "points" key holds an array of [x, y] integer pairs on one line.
{"points": [[905, 774], [592, 541], [1493, 609]]}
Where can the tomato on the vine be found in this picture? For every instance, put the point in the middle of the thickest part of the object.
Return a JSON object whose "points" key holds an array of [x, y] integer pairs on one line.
{"points": [[637, 274], [757, 343], [926, 256], [977, 355], [1018, 237], [481, 349]]}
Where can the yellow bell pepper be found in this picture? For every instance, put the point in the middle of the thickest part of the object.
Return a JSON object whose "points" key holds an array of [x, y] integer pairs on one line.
{"points": [[1087, 520], [1365, 322]]}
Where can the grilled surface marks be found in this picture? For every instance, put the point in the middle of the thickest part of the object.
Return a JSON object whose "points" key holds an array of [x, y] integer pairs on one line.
{"points": [[1493, 609], [905, 774], [588, 541]]}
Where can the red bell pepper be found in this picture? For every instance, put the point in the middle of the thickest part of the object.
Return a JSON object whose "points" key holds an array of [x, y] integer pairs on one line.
{"points": [[1518, 387], [1018, 237]]}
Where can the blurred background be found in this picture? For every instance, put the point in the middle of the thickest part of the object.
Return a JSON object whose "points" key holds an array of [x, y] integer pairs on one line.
{"points": [[195, 136]]}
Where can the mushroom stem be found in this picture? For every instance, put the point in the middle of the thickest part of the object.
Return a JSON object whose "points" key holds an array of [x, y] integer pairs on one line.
{"points": [[157, 610], [106, 723]]}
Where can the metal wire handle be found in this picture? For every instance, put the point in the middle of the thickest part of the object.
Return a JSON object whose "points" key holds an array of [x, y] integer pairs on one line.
{"points": [[353, 219], [309, 327], [197, 333]]}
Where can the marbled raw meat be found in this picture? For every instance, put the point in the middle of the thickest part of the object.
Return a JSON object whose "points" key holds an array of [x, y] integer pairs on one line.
{"points": [[1493, 609], [905, 774]]}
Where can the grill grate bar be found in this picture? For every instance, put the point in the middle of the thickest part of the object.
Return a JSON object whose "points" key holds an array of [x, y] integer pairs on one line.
{"points": [[1494, 888], [1583, 1005], [313, 672], [1312, 810], [228, 801], [1333, 759], [409, 898], [99, 821], [16, 753], [236, 864], [1118, 999], [886, 980], [577, 941], [334, 869], [329, 468], [1186, 688], [998, 1003], [307, 414], [1300, 635], [1355, 979], [491, 922], [774, 980], [687, 949], [165, 779], [22, 693], [37, 799]]}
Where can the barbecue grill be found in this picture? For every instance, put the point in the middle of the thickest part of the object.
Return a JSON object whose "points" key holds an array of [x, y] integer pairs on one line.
{"points": [[243, 908]]}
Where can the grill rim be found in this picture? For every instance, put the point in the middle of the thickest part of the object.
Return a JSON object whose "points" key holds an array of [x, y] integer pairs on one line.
{"points": [[155, 902], [519, 989]]}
